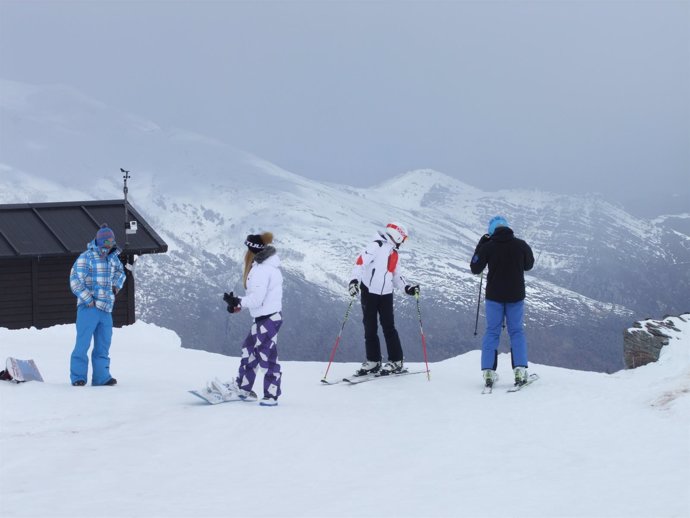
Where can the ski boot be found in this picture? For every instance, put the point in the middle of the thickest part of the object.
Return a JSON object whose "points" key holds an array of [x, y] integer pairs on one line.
{"points": [[368, 368], [520, 376], [392, 368], [490, 377]]}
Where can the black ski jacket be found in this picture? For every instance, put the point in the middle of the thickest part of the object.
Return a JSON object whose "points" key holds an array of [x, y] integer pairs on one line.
{"points": [[508, 258]]}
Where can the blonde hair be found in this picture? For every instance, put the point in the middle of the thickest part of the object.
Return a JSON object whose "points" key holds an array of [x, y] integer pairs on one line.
{"points": [[266, 239]]}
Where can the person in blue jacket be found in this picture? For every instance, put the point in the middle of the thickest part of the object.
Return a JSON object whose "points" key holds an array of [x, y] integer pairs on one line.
{"points": [[96, 277], [508, 258]]}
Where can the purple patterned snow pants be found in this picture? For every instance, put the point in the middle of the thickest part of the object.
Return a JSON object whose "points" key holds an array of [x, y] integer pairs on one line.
{"points": [[260, 350]]}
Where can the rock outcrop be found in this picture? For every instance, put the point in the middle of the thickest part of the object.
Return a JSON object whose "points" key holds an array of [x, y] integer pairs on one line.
{"points": [[642, 343]]}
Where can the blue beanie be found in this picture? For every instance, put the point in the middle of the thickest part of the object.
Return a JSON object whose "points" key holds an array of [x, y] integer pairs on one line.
{"points": [[495, 222], [104, 233]]}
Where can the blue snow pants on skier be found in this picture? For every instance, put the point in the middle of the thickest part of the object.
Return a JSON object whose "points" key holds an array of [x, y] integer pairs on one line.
{"points": [[96, 323], [513, 313]]}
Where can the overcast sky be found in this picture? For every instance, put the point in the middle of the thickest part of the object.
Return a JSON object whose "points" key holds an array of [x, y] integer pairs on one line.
{"points": [[565, 96]]}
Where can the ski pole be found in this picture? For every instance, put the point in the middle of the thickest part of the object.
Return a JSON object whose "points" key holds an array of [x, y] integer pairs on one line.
{"points": [[479, 299], [421, 329], [337, 340]]}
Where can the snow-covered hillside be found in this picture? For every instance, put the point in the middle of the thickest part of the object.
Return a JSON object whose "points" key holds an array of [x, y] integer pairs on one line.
{"points": [[595, 263], [573, 444]]}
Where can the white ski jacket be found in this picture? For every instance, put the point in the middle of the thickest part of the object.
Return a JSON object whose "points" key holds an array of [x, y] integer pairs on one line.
{"points": [[264, 288], [377, 267]]}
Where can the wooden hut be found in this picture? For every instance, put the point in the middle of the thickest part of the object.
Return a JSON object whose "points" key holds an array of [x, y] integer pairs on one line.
{"points": [[39, 243]]}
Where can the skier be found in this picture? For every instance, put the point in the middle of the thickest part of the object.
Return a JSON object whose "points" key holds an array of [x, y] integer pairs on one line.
{"points": [[508, 258], [263, 283], [375, 274], [96, 277]]}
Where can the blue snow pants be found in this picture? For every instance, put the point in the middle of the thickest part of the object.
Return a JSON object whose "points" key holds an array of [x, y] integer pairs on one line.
{"points": [[513, 312], [97, 324]]}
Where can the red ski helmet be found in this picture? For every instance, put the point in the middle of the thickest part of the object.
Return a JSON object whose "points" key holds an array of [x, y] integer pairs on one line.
{"points": [[397, 233]]}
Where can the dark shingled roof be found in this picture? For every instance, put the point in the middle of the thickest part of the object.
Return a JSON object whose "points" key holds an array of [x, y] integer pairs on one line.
{"points": [[54, 229]]}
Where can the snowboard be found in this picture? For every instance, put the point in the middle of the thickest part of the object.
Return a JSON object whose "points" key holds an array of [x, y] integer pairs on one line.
{"points": [[22, 370], [215, 398]]}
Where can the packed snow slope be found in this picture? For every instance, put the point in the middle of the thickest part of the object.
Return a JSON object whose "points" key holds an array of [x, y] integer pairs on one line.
{"points": [[575, 444]]}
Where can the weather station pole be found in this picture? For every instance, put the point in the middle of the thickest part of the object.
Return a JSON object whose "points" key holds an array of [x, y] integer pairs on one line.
{"points": [[125, 177]]}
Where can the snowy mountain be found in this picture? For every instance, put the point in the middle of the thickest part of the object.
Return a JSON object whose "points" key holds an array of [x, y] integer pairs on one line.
{"points": [[573, 444], [596, 264]]}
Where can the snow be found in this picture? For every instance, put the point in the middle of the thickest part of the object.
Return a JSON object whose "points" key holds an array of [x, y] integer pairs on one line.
{"points": [[53, 150], [576, 444]]}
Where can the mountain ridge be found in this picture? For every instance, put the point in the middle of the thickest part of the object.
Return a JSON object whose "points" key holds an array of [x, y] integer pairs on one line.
{"points": [[203, 197]]}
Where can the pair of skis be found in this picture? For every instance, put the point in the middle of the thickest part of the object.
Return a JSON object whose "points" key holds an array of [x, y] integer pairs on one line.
{"points": [[530, 379], [356, 380]]}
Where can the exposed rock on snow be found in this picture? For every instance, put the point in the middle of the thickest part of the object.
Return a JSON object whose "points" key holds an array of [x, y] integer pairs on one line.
{"points": [[642, 343]]}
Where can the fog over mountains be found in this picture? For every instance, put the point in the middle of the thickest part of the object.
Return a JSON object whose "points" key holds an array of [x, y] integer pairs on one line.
{"points": [[597, 267]]}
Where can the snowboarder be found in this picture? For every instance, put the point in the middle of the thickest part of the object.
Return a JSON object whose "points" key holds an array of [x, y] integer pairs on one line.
{"points": [[508, 258], [96, 277], [375, 274], [263, 283]]}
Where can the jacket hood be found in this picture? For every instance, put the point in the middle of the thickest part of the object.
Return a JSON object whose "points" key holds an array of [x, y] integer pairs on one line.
{"points": [[502, 234], [268, 256]]}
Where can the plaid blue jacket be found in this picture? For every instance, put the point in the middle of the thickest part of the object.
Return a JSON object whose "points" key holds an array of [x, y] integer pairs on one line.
{"points": [[92, 279]]}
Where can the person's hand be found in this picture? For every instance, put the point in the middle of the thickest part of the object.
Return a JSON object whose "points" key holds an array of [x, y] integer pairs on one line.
{"points": [[235, 309], [353, 288], [412, 289], [234, 303]]}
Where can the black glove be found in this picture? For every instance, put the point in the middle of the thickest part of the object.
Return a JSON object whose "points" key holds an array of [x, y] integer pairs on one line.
{"points": [[234, 303], [412, 289], [354, 288]]}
